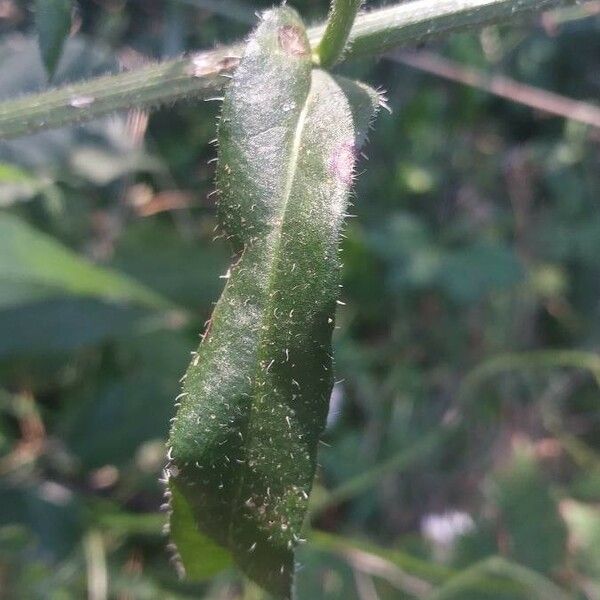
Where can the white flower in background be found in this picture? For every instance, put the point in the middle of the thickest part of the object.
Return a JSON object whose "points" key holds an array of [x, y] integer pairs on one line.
{"points": [[444, 529]]}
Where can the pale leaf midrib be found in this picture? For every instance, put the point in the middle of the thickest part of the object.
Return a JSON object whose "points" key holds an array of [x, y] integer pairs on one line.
{"points": [[274, 254]]}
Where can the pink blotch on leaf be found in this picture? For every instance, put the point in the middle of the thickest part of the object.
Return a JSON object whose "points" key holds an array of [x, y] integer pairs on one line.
{"points": [[341, 163]]}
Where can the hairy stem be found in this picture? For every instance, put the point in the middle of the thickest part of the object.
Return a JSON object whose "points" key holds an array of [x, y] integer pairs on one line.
{"points": [[339, 24], [203, 74], [380, 30], [198, 76]]}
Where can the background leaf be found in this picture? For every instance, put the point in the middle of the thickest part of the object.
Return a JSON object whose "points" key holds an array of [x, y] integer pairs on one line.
{"points": [[62, 325], [34, 266], [53, 22], [535, 532]]}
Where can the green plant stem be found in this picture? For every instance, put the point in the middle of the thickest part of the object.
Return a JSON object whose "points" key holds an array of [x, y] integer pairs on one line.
{"points": [[521, 361], [381, 30], [203, 74], [339, 24], [198, 76], [528, 361], [404, 459], [424, 573], [540, 587]]}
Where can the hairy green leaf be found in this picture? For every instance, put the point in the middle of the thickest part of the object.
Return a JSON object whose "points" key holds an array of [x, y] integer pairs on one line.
{"points": [[255, 398], [53, 22]]}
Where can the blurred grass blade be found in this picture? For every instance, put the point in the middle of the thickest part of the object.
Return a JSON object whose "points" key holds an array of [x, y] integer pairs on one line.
{"points": [[16, 184], [524, 362], [415, 566], [418, 451], [97, 572], [413, 574], [53, 23], [13, 174], [492, 577], [255, 399], [535, 585], [33, 266]]}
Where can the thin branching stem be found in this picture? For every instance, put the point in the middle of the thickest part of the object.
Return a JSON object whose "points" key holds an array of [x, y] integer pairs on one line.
{"points": [[541, 100], [204, 74], [527, 361]]}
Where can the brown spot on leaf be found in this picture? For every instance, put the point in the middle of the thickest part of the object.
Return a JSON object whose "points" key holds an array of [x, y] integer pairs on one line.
{"points": [[228, 63], [292, 41]]}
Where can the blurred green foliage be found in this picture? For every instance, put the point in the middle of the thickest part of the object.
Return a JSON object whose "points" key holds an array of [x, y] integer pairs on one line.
{"points": [[478, 235]]}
